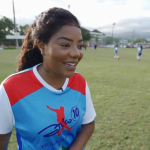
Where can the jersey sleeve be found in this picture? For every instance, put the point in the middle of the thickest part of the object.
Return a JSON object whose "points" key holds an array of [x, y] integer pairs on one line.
{"points": [[6, 114], [90, 113]]}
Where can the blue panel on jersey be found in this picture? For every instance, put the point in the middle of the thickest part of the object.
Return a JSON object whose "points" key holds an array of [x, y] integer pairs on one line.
{"points": [[49, 120], [19, 141]]}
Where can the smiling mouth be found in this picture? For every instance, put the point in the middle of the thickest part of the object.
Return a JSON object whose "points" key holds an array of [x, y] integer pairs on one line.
{"points": [[70, 64]]}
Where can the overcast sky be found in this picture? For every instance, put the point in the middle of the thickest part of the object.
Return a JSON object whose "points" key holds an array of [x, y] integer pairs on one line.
{"points": [[128, 15]]}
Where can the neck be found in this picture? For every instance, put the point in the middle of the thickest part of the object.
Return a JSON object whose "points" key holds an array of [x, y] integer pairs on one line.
{"points": [[56, 81]]}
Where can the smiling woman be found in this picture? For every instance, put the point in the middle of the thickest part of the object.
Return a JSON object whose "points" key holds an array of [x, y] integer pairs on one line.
{"points": [[46, 101]]}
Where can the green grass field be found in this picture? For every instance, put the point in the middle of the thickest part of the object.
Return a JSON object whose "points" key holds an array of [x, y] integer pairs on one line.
{"points": [[120, 90]]}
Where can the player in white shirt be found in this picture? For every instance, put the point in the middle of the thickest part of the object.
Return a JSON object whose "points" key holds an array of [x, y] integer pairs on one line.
{"points": [[116, 56], [140, 48]]}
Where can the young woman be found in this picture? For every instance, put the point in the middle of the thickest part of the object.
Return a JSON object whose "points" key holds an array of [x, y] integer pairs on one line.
{"points": [[116, 52], [140, 48], [46, 101]]}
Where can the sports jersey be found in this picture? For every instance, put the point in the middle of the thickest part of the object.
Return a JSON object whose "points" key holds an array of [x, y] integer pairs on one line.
{"points": [[44, 118], [140, 50], [116, 50]]}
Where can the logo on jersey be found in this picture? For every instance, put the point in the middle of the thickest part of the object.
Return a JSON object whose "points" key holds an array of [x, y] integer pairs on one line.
{"points": [[63, 123]]}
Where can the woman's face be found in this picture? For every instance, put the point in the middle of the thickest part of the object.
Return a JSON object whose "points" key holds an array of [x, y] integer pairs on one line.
{"points": [[64, 51]]}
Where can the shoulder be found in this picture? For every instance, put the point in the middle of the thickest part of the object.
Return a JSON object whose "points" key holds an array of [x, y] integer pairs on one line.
{"points": [[77, 76], [17, 77], [20, 85], [77, 82]]}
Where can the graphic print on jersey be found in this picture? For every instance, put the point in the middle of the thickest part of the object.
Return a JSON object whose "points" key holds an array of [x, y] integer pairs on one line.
{"points": [[63, 123], [60, 118]]}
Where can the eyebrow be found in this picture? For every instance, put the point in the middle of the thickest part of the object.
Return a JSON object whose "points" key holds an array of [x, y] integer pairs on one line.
{"points": [[65, 38]]}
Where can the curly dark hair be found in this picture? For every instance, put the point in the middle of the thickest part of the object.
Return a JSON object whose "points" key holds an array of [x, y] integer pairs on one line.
{"points": [[46, 25]]}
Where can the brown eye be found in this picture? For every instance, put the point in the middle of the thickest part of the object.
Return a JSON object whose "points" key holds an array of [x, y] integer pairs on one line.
{"points": [[80, 47], [65, 45]]}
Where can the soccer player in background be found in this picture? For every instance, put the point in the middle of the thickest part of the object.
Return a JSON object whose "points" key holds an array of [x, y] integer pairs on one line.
{"points": [[140, 48], [116, 56]]}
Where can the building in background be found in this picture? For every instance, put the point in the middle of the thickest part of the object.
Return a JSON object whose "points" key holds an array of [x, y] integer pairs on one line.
{"points": [[123, 42], [97, 37]]}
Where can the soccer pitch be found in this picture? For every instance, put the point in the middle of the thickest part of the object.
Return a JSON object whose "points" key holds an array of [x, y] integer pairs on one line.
{"points": [[120, 90]]}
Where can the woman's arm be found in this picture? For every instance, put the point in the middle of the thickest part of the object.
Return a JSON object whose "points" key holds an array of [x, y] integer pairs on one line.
{"points": [[83, 136], [4, 140]]}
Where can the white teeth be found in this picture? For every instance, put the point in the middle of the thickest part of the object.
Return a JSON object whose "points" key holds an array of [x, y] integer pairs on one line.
{"points": [[71, 64]]}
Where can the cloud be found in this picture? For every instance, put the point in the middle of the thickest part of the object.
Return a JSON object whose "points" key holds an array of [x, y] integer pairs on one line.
{"points": [[26, 10], [139, 24], [101, 14], [120, 2], [145, 5], [125, 28]]}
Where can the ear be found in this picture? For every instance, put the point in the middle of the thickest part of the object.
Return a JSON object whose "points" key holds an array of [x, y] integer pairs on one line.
{"points": [[41, 46]]}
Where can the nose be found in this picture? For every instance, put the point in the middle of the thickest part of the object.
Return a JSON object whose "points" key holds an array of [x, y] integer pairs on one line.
{"points": [[75, 52]]}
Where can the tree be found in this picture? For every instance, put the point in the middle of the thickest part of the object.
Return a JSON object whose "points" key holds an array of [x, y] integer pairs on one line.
{"points": [[85, 34], [109, 40], [6, 27], [140, 40], [22, 29]]}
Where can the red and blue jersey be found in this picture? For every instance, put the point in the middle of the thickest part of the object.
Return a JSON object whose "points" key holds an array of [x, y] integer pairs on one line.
{"points": [[44, 118]]}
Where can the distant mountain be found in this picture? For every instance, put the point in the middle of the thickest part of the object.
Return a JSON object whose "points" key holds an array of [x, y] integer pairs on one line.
{"points": [[144, 35]]}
